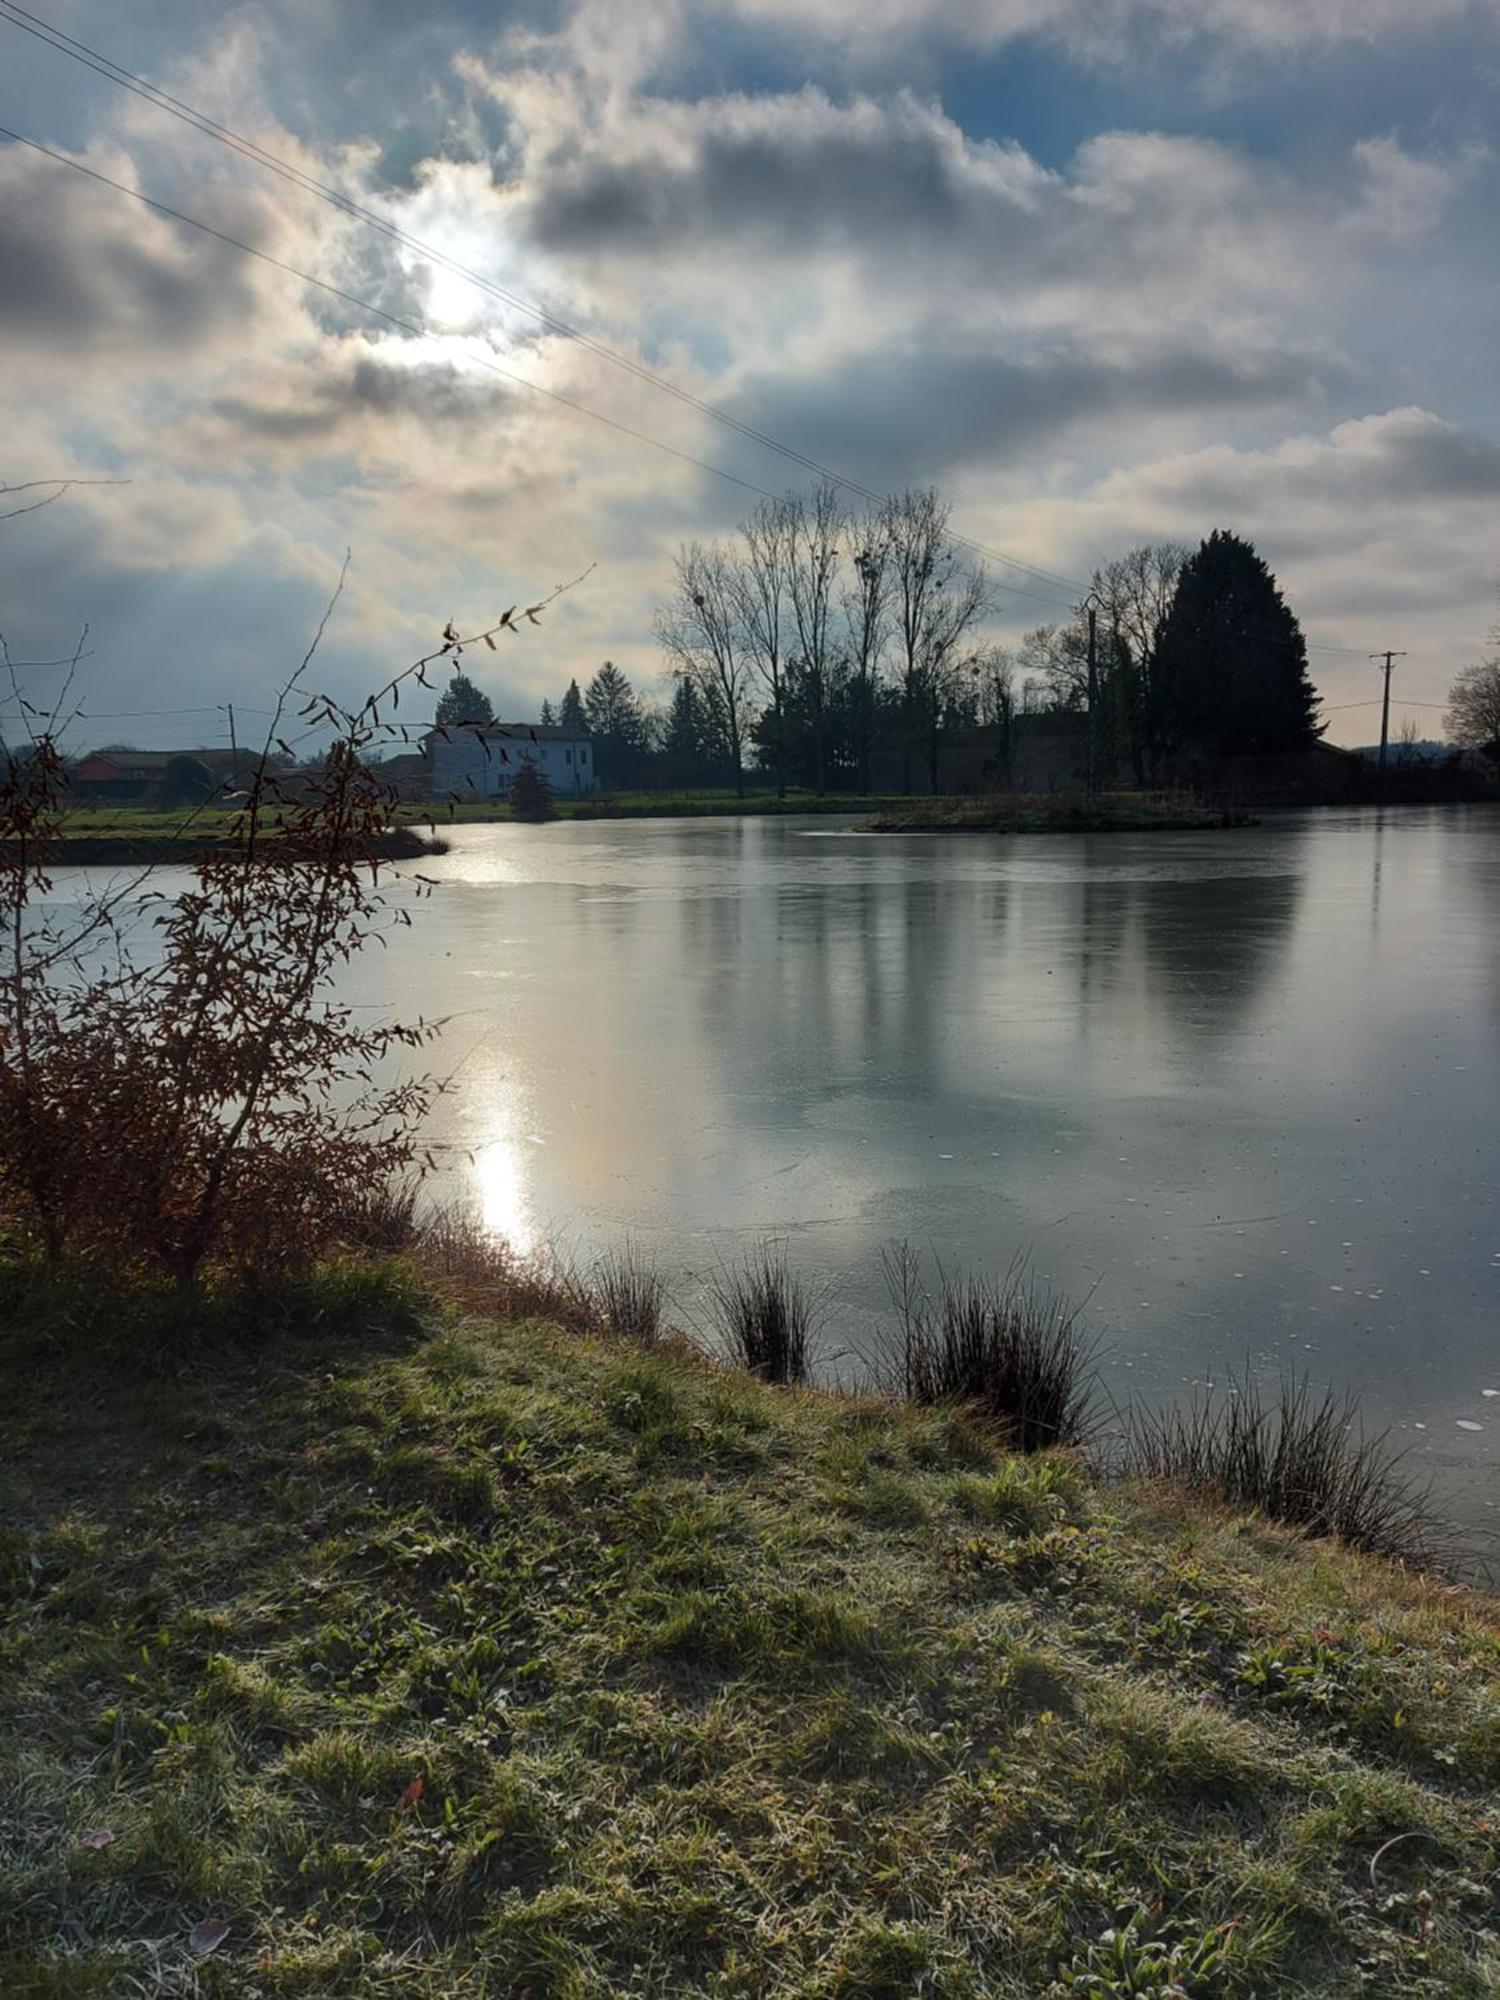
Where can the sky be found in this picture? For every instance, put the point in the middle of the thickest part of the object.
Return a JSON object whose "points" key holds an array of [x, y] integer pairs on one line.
{"points": [[1104, 271]]}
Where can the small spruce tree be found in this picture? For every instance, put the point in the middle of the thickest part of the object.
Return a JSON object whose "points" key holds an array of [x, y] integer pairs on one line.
{"points": [[548, 719], [530, 794]]}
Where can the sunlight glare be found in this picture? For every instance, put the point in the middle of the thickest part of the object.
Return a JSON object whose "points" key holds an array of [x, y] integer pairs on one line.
{"points": [[504, 1198]]}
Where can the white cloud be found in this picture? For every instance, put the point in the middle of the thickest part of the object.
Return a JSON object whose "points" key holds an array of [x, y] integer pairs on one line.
{"points": [[1087, 352]]}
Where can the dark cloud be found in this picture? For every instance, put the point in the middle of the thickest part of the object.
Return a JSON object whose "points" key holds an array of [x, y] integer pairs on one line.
{"points": [[86, 268], [433, 395], [934, 408], [798, 172]]}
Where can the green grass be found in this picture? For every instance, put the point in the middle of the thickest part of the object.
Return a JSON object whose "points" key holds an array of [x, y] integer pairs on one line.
{"points": [[676, 805], [711, 1688]]}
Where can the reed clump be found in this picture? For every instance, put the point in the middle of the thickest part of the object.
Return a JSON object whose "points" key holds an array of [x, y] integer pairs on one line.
{"points": [[763, 1315], [1298, 1456], [1005, 1347]]}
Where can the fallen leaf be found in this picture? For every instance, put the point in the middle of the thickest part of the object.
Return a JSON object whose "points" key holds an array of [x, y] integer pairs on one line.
{"points": [[412, 1793], [102, 1836], [207, 1936]]}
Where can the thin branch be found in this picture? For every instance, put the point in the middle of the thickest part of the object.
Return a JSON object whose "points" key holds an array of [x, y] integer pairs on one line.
{"points": [[62, 485]]}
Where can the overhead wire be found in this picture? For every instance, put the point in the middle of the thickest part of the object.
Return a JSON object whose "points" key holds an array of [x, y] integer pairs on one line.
{"points": [[250, 149], [116, 73]]}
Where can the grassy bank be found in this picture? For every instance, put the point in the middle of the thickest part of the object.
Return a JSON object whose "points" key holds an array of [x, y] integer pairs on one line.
{"points": [[130, 834], [132, 838], [675, 805], [1111, 812], [436, 1657]]}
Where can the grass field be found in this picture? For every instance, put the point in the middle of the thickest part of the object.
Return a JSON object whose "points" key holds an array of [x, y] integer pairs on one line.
{"points": [[132, 833], [440, 1658]]}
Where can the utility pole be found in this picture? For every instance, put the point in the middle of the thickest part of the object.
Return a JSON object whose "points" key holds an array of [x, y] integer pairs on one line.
{"points": [[1091, 606], [1390, 660]]}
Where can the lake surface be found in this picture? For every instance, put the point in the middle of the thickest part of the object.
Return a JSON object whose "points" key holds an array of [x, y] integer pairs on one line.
{"points": [[1238, 1088]]}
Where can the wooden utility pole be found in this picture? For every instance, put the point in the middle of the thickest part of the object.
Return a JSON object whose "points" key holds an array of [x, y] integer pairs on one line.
{"points": [[1092, 608], [1390, 660]]}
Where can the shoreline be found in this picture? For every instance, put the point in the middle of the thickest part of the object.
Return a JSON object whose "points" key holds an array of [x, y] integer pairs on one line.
{"points": [[401, 1617], [398, 843], [1054, 815]]}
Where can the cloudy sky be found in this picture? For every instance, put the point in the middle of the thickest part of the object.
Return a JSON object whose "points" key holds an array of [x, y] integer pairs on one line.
{"points": [[1104, 270]]}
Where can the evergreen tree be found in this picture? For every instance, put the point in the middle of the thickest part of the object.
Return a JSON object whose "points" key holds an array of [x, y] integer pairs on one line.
{"points": [[612, 709], [461, 701], [548, 719], [530, 794], [685, 731], [571, 715], [1232, 662]]}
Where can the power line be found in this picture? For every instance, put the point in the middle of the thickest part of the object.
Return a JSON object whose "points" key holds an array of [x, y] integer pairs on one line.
{"points": [[116, 73], [113, 72], [365, 305]]}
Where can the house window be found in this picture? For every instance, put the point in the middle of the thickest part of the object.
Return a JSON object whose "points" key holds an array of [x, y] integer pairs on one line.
{"points": [[583, 756], [568, 755]]}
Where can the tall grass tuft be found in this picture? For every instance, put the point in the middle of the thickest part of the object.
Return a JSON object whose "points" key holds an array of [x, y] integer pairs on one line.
{"points": [[620, 1294], [1301, 1459], [1003, 1347], [628, 1295], [489, 1275], [763, 1315]]}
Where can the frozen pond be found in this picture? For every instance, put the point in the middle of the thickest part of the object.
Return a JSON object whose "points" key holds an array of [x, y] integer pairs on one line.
{"points": [[1241, 1088]]}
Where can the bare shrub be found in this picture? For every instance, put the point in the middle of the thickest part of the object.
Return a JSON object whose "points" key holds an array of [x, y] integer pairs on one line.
{"points": [[217, 1104], [1299, 1458], [1003, 1347], [763, 1316]]}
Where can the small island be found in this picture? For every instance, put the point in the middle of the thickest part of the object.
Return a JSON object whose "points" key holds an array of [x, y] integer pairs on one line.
{"points": [[1110, 812]]}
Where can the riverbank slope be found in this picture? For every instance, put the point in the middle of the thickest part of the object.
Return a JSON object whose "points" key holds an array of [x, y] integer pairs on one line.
{"points": [[433, 1656]]}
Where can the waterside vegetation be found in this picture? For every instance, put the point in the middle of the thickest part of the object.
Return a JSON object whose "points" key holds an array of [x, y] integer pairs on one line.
{"points": [[357, 1641], [1110, 812]]}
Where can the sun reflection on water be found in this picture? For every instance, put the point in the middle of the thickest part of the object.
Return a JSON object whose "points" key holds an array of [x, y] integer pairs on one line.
{"points": [[504, 1194]]}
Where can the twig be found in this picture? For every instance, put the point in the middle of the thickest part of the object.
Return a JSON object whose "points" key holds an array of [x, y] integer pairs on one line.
{"points": [[1380, 1853]]}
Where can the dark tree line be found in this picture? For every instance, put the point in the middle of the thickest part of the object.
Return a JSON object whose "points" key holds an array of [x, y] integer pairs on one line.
{"points": [[841, 651]]}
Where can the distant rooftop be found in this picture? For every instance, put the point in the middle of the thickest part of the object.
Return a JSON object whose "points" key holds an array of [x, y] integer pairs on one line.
{"points": [[512, 732]]}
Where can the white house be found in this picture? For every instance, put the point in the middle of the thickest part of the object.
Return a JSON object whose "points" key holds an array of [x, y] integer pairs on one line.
{"points": [[478, 760]]}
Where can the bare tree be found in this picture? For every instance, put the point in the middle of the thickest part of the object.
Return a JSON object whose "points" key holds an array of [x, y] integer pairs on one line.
{"points": [[866, 606], [994, 672], [1474, 701], [1057, 657], [1135, 593], [817, 528], [762, 581], [937, 597], [700, 630]]}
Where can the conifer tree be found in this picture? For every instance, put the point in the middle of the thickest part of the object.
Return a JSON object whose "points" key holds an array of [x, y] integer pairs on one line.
{"points": [[612, 709], [548, 719], [685, 723], [461, 702], [572, 716], [1232, 661], [530, 794]]}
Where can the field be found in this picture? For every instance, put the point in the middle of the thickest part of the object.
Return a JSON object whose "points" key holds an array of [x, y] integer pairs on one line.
{"points": [[380, 1649]]}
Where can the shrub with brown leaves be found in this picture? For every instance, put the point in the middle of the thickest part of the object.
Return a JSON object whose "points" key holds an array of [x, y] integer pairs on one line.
{"points": [[215, 1102]]}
